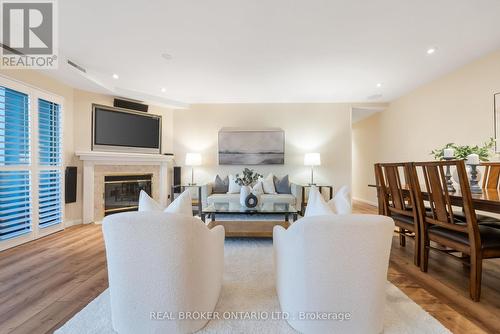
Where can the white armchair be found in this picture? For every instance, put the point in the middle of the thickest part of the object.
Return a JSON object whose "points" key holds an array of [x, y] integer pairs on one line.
{"points": [[334, 263], [158, 263]]}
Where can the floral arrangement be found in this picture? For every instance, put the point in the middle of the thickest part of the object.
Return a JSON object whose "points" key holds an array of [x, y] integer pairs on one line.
{"points": [[461, 152], [248, 178]]}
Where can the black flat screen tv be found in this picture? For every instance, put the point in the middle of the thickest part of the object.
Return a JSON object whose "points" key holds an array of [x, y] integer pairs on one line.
{"points": [[117, 129]]}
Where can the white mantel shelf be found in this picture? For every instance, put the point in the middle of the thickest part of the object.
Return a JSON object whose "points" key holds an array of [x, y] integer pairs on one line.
{"points": [[127, 158], [93, 158]]}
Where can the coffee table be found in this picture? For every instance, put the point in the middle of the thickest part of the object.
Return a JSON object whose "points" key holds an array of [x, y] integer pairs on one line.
{"points": [[249, 228]]}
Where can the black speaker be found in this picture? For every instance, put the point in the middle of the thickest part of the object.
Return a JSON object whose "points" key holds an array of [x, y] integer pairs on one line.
{"points": [[177, 179], [130, 105], [70, 185]]}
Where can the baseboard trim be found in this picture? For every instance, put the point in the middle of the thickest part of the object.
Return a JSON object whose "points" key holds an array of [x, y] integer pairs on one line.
{"points": [[365, 201], [69, 223]]}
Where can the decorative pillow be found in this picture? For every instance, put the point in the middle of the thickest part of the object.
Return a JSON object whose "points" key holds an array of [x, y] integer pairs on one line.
{"points": [[268, 184], [221, 186], [282, 186], [233, 188], [183, 204], [341, 202], [257, 189], [316, 205], [146, 203]]}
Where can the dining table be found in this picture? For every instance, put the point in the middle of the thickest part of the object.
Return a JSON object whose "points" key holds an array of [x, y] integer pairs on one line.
{"points": [[488, 200]]}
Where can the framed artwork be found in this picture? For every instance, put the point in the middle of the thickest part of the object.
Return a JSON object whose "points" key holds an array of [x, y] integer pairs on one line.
{"points": [[251, 147], [496, 102]]}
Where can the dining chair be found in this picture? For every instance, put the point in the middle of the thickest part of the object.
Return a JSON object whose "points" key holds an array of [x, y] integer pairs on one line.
{"points": [[491, 178], [440, 225], [397, 199]]}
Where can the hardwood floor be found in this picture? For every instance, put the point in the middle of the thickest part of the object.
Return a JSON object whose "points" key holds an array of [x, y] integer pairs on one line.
{"points": [[44, 283]]}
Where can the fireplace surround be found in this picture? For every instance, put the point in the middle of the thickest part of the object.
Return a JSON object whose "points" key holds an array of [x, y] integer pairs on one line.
{"points": [[98, 165]]}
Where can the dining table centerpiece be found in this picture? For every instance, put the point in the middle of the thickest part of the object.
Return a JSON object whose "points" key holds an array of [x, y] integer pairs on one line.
{"points": [[473, 155]]}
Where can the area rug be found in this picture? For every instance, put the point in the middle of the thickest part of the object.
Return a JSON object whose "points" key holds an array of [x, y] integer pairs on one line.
{"points": [[249, 286]]}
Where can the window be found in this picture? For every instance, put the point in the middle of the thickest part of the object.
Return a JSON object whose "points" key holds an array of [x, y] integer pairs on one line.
{"points": [[30, 163]]}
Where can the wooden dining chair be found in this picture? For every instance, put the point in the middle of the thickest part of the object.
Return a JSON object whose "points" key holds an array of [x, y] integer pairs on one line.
{"points": [[440, 225], [491, 178], [397, 200]]}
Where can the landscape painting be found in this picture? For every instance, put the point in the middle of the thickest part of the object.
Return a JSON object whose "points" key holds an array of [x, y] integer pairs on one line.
{"points": [[251, 147]]}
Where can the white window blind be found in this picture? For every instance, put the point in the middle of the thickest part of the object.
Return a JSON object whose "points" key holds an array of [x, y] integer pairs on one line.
{"points": [[14, 128], [49, 199], [49, 133], [15, 204]]}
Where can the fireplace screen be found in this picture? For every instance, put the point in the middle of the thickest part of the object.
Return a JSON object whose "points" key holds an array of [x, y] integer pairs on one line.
{"points": [[121, 192]]}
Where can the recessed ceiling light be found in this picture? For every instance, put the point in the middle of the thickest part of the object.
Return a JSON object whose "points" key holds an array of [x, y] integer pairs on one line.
{"points": [[163, 90], [115, 76], [379, 85], [431, 51]]}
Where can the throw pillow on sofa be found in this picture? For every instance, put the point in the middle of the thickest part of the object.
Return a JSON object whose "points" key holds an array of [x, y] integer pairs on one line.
{"points": [[316, 204], [181, 205], [268, 184], [341, 202], [257, 189], [233, 188], [146, 203], [221, 186], [282, 185]]}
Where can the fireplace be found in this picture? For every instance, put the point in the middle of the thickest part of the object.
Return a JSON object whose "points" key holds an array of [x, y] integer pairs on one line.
{"points": [[121, 192]]}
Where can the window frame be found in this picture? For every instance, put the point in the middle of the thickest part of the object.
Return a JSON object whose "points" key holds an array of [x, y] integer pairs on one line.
{"points": [[34, 167]]}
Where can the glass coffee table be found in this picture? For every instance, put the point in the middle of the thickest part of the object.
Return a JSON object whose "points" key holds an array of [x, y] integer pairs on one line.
{"points": [[245, 227]]}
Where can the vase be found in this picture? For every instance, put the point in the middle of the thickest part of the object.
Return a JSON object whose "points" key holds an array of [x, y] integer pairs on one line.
{"points": [[251, 201], [244, 192]]}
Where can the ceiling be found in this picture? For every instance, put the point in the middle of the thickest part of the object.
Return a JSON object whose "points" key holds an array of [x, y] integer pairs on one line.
{"points": [[241, 51]]}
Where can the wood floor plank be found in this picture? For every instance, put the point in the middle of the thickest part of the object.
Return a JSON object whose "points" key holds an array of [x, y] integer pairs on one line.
{"points": [[46, 282]]}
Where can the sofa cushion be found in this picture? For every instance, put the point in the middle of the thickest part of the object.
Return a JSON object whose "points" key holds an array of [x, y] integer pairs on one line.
{"points": [[282, 185], [223, 198], [221, 186], [268, 184], [278, 198], [316, 204], [146, 203], [233, 187]]}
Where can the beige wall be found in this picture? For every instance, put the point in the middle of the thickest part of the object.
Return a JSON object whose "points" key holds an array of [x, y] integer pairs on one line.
{"points": [[457, 107], [324, 128]]}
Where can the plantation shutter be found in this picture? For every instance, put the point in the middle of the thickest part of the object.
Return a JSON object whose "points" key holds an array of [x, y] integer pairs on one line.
{"points": [[14, 128], [49, 145], [15, 195]]}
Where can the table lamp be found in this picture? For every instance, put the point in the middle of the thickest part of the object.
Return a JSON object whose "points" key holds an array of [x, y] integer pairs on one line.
{"points": [[193, 159], [312, 159]]}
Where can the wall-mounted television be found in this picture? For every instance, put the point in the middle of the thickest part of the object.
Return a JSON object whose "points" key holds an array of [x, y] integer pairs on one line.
{"points": [[118, 129]]}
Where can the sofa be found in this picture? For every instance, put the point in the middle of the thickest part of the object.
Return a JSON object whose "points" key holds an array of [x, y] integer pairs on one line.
{"points": [[208, 197]]}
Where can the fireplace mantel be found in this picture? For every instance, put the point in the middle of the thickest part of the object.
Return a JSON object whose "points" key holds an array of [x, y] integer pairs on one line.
{"points": [[92, 158], [123, 158]]}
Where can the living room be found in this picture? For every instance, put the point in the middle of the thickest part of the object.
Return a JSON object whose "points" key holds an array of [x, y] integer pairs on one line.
{"points": [[303, 156]]}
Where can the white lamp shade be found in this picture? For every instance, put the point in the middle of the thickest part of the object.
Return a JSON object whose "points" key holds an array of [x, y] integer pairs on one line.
{"points": [[312, 159], [193, 159]]}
